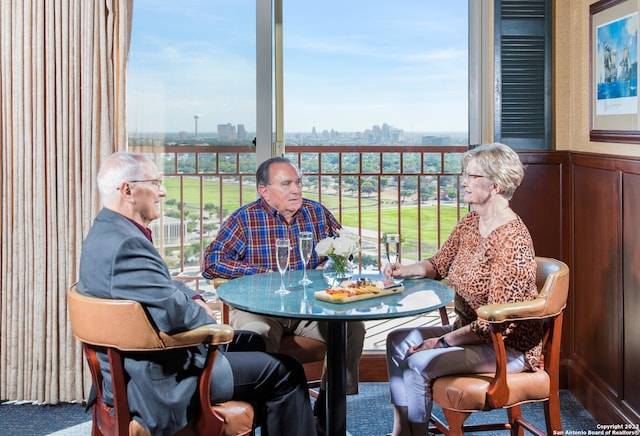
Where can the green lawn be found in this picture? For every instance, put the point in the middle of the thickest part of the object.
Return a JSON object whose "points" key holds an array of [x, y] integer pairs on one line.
{"points": [[211, 192], [368, 213]]}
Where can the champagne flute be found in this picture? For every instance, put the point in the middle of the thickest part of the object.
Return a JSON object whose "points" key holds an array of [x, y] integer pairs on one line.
{"points": [[282, 256], [392, 248], [305, 244]]}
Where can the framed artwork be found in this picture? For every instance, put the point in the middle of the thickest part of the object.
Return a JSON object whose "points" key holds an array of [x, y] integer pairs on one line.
{"points": [[615, 114]]}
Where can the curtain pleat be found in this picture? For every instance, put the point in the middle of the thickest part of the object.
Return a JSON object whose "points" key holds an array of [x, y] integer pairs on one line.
{"points": [[62, 111]]}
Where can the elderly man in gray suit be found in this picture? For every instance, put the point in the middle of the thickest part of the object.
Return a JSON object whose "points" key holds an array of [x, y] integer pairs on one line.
{"points": [[119, 261]]}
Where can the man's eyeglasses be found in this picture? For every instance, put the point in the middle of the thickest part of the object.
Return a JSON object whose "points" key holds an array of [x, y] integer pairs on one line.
{"points": [[156, 182]]}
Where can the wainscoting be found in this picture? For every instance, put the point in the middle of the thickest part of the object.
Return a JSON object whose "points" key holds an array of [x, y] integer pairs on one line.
{"points": [[585, 210]]}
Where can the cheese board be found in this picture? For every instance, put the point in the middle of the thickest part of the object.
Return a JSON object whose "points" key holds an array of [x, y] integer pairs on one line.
{"points": [[361, 289]]}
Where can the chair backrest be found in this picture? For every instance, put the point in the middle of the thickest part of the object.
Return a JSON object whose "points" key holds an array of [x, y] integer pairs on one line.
{"points": [[122, 324], [552, 280]]}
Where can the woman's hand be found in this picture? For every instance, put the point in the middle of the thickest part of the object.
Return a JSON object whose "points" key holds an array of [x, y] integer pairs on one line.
{"points": [[388, 271], [427, 344], [412, 271], [396, 271]]}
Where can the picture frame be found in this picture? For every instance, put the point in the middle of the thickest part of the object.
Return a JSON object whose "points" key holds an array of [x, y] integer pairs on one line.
{"points": [[615, 107]]}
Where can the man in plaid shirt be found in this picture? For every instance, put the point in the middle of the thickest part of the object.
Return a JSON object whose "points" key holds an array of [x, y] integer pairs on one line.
{"points": [[245, 245]]}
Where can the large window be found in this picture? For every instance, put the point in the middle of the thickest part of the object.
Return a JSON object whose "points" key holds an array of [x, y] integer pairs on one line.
{"points": [[192, 72], [376, 72], [204, 80], [355, 72]]}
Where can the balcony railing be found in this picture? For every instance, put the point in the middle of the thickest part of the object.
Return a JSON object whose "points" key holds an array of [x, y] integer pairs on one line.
{"points": [[411, 190]]}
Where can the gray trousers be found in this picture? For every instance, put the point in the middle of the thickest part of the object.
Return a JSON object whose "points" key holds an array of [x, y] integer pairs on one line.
{"points": [[410, 377], [272, 329]]}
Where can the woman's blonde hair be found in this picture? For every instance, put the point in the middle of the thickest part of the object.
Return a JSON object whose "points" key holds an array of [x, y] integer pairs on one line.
{"points": [[499, 164]]}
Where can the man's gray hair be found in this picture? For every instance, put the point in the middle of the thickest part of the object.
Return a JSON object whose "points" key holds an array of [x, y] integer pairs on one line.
{"points": [[119, 167]]}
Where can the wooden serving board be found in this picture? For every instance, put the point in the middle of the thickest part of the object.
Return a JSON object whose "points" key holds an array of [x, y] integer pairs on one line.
{"points": [[322, 295]]}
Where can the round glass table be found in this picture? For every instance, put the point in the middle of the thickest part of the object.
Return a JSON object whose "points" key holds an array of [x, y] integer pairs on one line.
{"points": [[256, 294]]}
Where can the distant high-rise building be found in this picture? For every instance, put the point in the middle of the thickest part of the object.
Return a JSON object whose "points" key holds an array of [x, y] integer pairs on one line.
{"points": [[386, 132], [397, 136], [242, 133], [377, 133], [226, 132]]}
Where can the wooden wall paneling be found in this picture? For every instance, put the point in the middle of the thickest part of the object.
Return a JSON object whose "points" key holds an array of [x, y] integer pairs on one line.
{"points": [[631, 296], [597, 288], [538, 201], [543, 201]]}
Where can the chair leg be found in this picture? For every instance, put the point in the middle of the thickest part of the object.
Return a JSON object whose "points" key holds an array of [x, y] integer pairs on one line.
{"points": [[552, 414], [455, 420], [444, 316], [95, 430], [515, 413]]}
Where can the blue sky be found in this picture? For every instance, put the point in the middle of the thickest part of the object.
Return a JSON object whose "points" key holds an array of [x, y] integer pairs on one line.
{"points": [[348, 65]]}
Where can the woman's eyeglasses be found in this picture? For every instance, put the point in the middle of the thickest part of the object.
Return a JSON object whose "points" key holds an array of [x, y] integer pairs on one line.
{"points": [[469, 177]]}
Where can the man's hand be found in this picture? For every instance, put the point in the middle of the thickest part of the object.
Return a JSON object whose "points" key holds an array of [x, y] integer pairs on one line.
{"points": [[204, 305]]}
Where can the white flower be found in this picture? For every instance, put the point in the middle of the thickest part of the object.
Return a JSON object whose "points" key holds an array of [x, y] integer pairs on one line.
{"points": [[342, 246], [325, 247], [345, 244]]}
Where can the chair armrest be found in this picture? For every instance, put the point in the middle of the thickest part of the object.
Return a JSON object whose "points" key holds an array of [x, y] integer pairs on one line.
{"points": [[521, 310], [224, 309], [215, 334], [217, 281], [496, 314], [498, 390]]}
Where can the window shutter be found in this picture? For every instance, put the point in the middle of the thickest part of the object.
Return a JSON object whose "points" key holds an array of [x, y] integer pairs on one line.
{"points": [[523, 73]]}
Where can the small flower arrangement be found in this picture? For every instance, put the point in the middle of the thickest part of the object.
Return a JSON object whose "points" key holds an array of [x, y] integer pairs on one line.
{"points": [[339, 249]]}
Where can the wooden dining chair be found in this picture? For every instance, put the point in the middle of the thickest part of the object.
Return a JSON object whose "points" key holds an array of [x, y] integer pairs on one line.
{"points": [[462, 394], [118, 327]]}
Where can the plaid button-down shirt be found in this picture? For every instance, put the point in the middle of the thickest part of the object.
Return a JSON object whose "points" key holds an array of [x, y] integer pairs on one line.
{"points": [[245, 243]]}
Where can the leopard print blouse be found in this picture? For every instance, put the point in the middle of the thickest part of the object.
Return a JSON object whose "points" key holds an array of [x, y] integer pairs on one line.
{"points": [[500, 268]]}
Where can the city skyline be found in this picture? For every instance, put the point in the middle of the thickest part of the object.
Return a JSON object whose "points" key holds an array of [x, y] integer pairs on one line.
{"points": [[196, 131], [404, 61]]}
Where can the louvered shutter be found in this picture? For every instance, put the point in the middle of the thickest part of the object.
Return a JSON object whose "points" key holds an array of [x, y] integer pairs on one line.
{"points": [[523, 73]]}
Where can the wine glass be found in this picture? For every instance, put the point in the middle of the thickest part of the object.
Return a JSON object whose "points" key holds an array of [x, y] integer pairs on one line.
{"points": [[305, 244], [282, 256], [392, 248]]}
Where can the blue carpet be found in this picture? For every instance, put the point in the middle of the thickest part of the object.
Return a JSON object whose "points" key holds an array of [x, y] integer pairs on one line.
{"points": [[368, 414], [37, 420]]}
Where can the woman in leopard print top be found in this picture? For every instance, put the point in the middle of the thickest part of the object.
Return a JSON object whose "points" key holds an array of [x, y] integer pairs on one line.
{"points": [[488, 258]]}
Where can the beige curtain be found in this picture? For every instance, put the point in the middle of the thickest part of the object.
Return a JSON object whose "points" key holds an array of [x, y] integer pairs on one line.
{"points": [[62, 97]]}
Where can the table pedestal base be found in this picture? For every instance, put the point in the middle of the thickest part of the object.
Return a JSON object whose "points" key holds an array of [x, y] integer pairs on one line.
{"points": [[337, 379]]}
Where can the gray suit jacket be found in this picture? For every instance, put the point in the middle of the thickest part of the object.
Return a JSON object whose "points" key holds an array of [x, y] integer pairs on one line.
{"points": [[119, 262]]}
